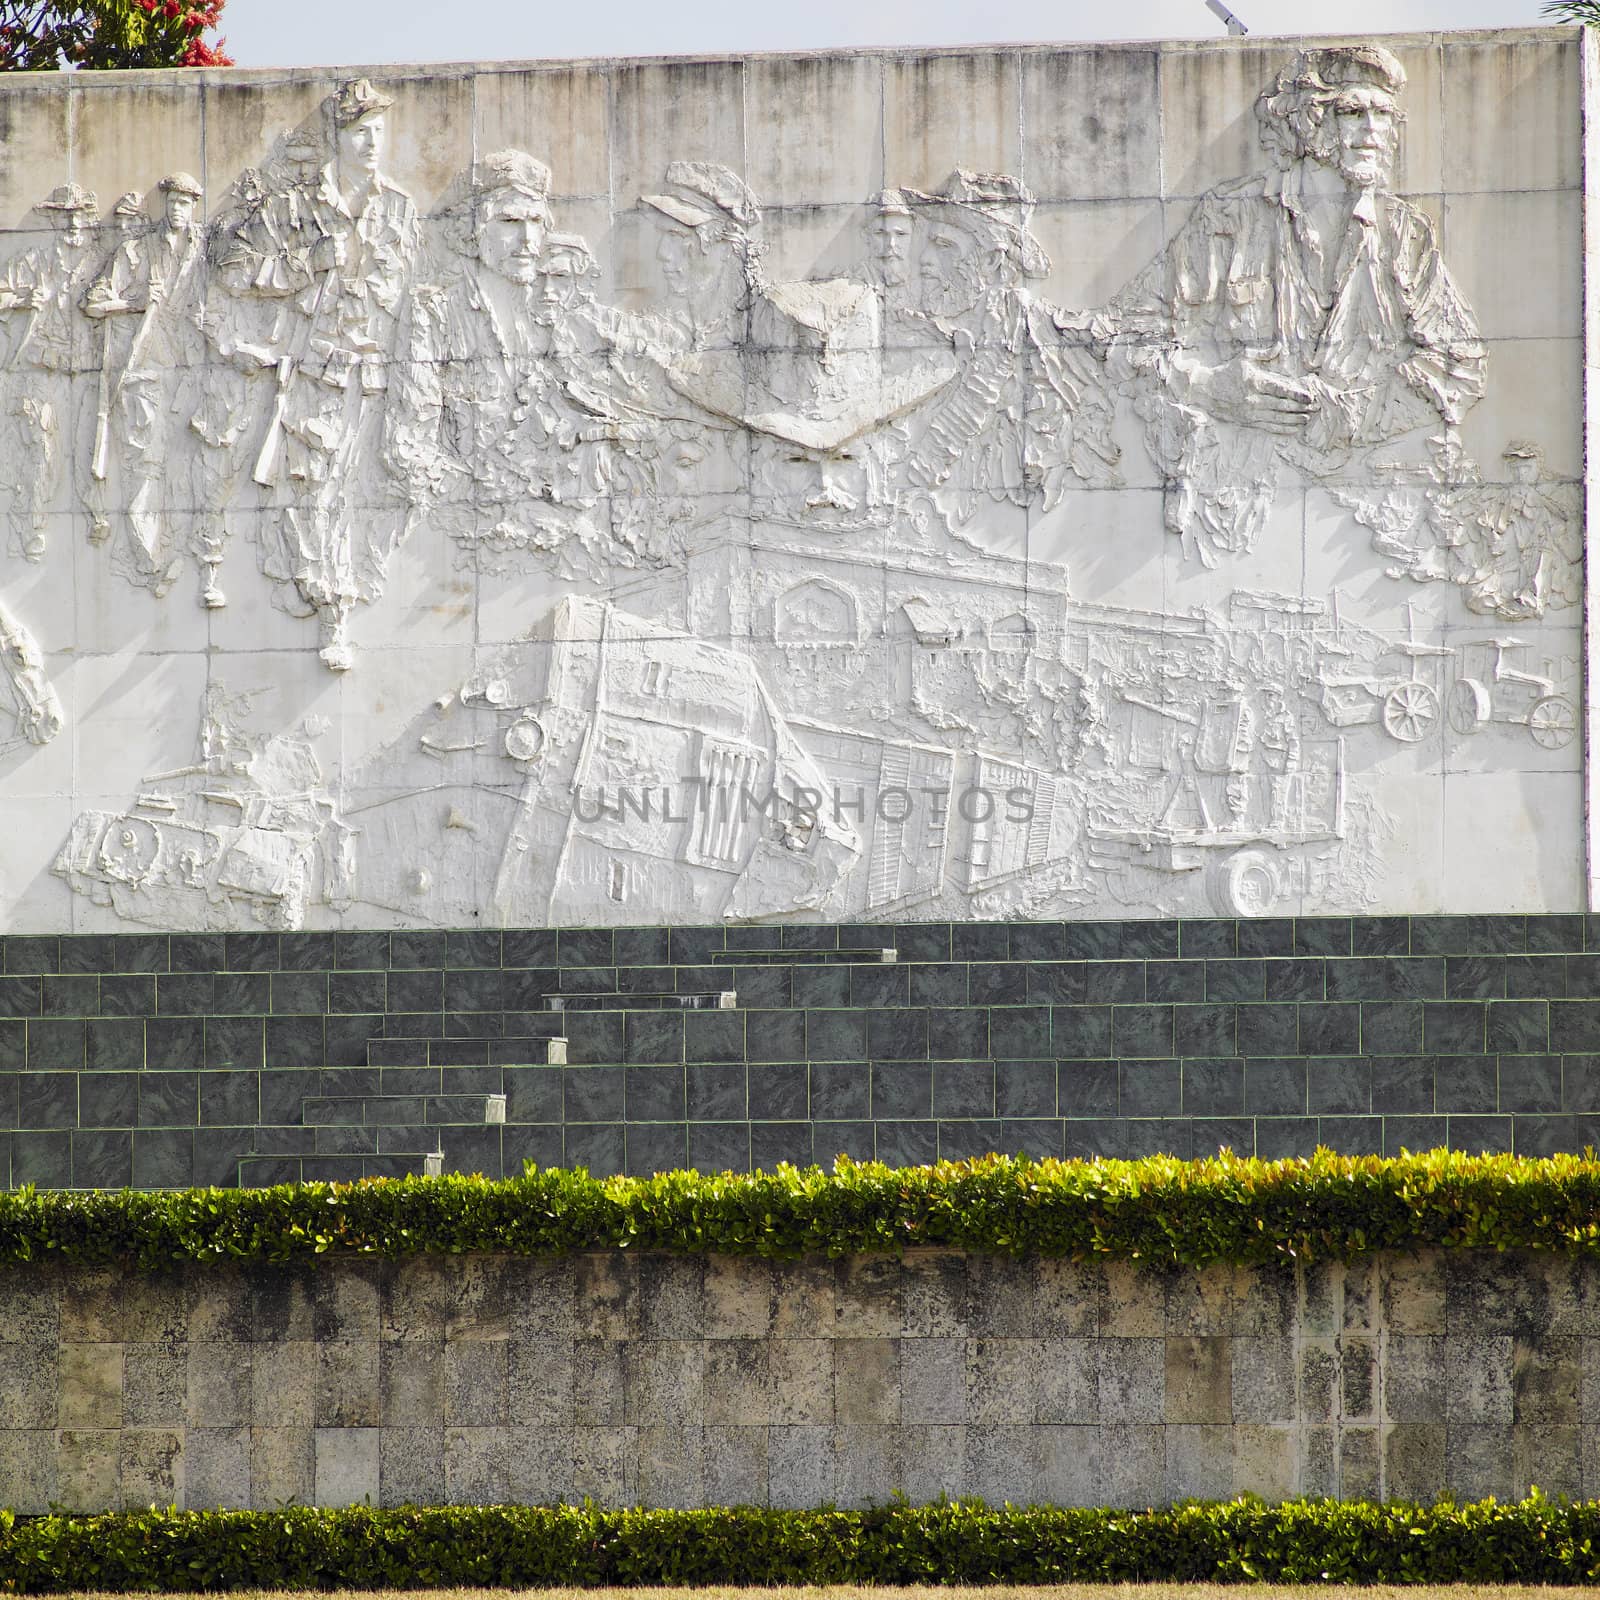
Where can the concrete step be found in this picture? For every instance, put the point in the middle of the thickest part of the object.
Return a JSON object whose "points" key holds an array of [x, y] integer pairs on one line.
{"points": [[259, 1172], [517, 1050], [378, 1110], [723, 1000], [776, 956], [428, 1025], [380, 1140]]}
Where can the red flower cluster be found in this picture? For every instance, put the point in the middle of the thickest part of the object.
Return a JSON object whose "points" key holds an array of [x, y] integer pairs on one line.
{"points": [[43, 34]]}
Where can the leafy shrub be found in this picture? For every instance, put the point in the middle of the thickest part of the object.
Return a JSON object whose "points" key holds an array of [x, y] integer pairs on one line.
{"points": [[1159, 1210], [1537, 1541]]}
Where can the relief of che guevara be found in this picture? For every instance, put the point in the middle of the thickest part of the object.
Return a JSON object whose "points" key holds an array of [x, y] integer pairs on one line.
{"points": [[1301, 314]]}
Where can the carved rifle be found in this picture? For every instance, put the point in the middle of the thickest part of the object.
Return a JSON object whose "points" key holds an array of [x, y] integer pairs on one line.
{"points": [[109, 395], [288, 365], [102, 419]]}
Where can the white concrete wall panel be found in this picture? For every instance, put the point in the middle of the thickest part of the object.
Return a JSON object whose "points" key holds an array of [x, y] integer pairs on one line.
{"points": [[1040, 482]]}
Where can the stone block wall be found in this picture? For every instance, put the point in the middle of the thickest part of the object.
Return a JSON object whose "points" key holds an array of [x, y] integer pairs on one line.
{"points": [[163, 1060], [693, 1381]]}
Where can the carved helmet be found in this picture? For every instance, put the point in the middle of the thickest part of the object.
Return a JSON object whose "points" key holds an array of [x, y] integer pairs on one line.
{"points": [[181, 183], [702, 192], [571, 250], [355, 100], [509, 169], [70, 197]]}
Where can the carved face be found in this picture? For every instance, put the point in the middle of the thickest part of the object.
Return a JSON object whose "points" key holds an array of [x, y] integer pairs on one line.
{"points": [[699, 467], [1524, 469], [691, 265], [561, 282], [361, 145], [74, 226], [180, 210], [818, 488], [948, 274], [511, 235], [889, 238], [1366, 130], [839, 482]]}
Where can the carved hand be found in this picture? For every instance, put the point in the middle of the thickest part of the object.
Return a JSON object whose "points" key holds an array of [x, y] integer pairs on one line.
{"points": [[1244, 391], [329, 253]]}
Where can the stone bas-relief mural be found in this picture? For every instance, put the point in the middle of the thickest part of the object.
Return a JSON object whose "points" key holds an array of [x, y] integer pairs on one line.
{"points": [[246, 836], [785, 652]]}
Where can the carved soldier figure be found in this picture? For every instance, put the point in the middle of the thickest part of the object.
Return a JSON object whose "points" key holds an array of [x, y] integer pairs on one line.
{"points": [[709, 256], [150, 296], [1530, 541], [503, 394], [1030, 409], [616, 445], [37, 706], [452, 423], [339, 249], [242, 333], [1300, 314], [891, 243], [894, 238], [252, 322], [127, 217], [1279, 753], [1082, 733], [44, 343]]}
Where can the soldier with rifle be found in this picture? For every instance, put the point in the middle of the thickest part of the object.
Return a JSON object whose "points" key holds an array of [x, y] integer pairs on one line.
{"points": [[337, 248], [44, 344], [154, 284]]}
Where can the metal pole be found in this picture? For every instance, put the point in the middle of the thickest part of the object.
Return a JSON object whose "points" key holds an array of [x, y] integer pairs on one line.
{"points": [[1226, 17]]}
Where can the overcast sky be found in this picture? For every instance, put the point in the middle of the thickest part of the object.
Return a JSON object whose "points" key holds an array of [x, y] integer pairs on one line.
{"points": [[271, 33]]}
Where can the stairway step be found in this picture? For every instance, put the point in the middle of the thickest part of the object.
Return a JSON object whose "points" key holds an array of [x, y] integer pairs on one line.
{"points": [[773, 957], [515, 1050], [258, 1172], [382, 1140], [379, 1110], [626, 1000], [442, 1080]]}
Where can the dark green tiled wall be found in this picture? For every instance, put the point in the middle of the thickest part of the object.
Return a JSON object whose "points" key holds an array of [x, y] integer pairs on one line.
{"points": [[166, 1059]]}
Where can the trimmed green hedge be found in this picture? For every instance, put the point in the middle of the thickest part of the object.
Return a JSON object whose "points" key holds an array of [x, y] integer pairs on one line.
{"points": [[1159, 1210], [1305, 1541]]}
